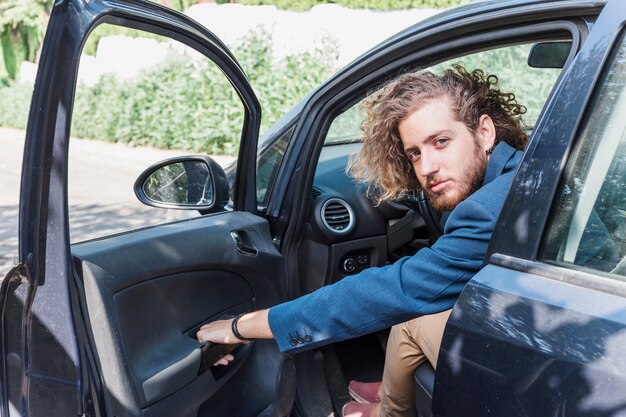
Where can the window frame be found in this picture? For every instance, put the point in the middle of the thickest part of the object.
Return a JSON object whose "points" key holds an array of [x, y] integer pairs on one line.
{"points": [[596, 167], [354, 136], [212, 59], [352, 85]]}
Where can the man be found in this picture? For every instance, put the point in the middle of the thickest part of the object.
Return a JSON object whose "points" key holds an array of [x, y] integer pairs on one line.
{"points": [[457, 137]]}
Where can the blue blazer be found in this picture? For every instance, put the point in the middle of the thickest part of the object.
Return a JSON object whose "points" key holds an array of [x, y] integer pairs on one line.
{"points": [[428, 282]]}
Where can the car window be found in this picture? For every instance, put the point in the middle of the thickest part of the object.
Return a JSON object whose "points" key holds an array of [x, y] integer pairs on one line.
{"points": [[141, 98], [587, 226], [531, 86], [268, 165]]}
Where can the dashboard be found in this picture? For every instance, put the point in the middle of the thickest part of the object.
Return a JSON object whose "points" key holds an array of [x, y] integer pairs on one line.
{"points": [[346, 232]]}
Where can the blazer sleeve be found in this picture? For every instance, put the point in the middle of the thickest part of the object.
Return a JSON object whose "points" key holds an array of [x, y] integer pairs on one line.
{"points": [[428, 282]]}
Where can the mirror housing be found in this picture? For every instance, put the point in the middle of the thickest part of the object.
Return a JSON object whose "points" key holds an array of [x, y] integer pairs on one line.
{"points": [[549, 54], [194, 182]]}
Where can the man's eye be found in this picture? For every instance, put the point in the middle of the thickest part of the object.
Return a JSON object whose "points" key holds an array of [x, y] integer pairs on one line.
{"points": [[413, 156], [442, 141]]}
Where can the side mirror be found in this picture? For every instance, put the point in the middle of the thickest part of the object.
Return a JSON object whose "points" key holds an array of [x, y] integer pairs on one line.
{"points": [[194, 182], [549, 54]]}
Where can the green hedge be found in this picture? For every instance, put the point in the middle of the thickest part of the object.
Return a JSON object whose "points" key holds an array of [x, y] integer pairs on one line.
{"points": [[15, 104], [357, 4], [22, 25], [179, 107], [183, 105], [21, 22], [307, 4]]}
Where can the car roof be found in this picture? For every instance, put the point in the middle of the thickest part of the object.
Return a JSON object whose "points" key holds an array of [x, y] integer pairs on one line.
{"points": [[480, 8]]}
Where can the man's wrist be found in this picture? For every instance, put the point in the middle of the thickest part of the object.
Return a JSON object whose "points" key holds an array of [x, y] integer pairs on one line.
{"points": [[235, 329], [253, 325]]}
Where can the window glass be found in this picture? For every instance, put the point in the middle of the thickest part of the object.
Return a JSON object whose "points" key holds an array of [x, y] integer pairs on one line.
{"points": [[11, 149], [531, 86], [16, 90], [587, 228], [268, 165], [141, 98]]}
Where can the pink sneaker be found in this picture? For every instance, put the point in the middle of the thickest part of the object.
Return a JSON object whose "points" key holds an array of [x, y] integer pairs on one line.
{"points": [[365, 392], [354, 409]]}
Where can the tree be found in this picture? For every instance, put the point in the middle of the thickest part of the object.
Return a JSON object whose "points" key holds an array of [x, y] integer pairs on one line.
{"points": [[22, 25]]}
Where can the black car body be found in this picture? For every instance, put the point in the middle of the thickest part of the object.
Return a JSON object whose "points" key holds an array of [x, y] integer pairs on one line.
{"points": [[105, 327]]}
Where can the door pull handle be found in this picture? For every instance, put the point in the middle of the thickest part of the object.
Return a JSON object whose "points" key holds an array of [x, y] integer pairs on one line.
{"points": [[242, 246]]}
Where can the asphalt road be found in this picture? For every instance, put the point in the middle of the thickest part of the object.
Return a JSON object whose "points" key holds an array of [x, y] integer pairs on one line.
{"points": [[99, 204], [11, 147]]}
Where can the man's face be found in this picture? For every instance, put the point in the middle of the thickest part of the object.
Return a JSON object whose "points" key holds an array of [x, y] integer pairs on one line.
{"points": [[448, 160]]}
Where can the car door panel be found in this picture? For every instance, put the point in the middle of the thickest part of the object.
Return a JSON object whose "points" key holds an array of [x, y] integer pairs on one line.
{"points": [[522, 345], [108, 324], [526, 337], [147, 292]]}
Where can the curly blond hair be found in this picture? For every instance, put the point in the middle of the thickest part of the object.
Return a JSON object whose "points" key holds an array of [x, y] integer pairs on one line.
{"points": [[381, 162]]}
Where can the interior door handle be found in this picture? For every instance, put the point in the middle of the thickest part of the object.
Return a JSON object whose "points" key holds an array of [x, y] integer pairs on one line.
{"points": [[242, 245]]}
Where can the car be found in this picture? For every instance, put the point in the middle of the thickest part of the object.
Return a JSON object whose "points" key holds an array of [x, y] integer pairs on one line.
{"points": [[106, 326]]}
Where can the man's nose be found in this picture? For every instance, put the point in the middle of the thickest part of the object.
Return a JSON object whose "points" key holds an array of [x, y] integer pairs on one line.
{"points": [[429, 164]]}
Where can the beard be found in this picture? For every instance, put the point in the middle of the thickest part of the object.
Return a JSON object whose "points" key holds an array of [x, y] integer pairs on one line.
{"points": [[446, 201]]}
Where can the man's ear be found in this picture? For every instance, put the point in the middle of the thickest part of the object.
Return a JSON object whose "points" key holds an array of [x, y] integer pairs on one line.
{"points": [[486, 132]]}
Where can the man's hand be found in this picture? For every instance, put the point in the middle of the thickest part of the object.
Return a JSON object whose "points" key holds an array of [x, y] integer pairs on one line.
{"points": [[218, 331], [251, 325], [225, 360]]}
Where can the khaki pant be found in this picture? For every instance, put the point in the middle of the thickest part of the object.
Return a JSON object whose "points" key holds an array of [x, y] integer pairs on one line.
{"points": [[410, 344]]}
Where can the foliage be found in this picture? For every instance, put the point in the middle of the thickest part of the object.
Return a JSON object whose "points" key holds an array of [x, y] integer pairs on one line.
{"points": [[174, 106], [357, 4], [307, 4], [280, 85], [168, 184], [179, 5], [91, 45], [22, 24], [15, 104], [531, 86], [190, 105]]}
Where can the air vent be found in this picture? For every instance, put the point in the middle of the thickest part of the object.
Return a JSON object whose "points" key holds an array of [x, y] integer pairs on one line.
{"points": [[315, 193], [337, 216]]}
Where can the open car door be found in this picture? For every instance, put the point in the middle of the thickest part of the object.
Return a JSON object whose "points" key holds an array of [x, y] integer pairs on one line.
{"points": [[540, 329], [107, 327]]}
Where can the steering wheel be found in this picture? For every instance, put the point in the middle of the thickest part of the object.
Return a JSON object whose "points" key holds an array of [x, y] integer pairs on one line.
{"points": [[432, 218]]}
